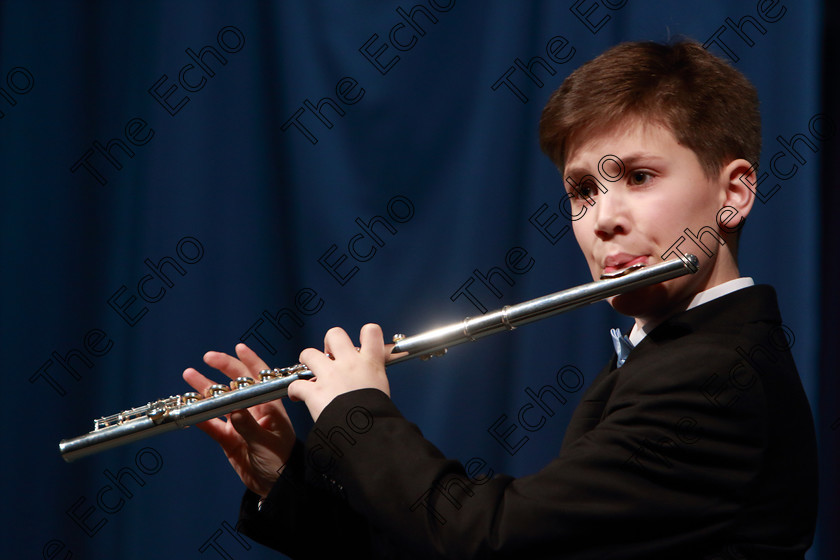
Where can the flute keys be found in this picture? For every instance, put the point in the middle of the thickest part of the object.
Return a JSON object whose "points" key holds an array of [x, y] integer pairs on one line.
{"points": [[276, 373], [216, 390], [267, 374], [191, 397], [295, 369], [106, 421], [241, 382], [156, 414], [398, 337]]}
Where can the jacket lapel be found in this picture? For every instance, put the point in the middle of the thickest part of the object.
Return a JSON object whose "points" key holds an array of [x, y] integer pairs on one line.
{"points": [[756, 301], [589, 411]]}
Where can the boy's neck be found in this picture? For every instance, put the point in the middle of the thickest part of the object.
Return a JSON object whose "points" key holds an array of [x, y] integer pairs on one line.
{"points": [[645, 325]]}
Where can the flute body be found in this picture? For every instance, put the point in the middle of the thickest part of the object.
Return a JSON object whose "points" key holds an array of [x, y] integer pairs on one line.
{"points": [[181, 411]]}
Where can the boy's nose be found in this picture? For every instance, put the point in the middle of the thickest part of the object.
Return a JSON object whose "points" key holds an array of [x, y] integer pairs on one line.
{"points": [[610, 214]]}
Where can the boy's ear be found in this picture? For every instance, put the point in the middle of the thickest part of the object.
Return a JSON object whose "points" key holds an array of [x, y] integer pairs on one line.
{"points": [[738, 175]]}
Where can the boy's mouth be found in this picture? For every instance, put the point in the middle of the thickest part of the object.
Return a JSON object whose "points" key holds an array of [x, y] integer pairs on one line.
{"points": [[620, 264]]}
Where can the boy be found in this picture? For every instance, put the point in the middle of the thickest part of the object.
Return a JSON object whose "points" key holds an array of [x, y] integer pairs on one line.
{"points": [[696, 442]]}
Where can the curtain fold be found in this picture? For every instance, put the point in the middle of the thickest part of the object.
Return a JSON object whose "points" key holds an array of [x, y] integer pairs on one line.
{"points": [[181, 176]]}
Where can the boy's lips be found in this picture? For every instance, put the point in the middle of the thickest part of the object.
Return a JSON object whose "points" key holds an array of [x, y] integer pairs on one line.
{"points": [[620, 261]]}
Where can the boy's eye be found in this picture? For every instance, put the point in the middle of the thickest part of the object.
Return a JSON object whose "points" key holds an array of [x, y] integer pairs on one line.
{"points": [[639, 177], [587, 189]]}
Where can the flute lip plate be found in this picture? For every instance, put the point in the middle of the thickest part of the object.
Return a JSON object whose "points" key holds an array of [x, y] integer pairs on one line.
{"points": [[622, 272]]}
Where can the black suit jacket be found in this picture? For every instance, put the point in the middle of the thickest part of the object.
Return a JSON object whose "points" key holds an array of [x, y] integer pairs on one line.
{"points": [[700, 446]]}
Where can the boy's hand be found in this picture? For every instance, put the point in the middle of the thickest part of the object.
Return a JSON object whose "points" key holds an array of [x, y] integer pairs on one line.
{"points": [[346, 369], [257, 441]]}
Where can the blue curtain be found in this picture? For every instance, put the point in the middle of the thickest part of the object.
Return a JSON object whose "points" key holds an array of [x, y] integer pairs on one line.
{"points": [[181, 176]]}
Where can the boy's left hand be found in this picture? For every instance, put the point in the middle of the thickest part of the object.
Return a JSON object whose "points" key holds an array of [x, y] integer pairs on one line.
{"points": [[346, 369]]}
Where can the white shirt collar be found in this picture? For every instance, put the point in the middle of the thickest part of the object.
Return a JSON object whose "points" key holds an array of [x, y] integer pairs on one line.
{"points": [[637, 334]]}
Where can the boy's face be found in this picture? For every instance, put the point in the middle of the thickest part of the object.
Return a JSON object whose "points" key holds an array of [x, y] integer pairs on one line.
{"points": [[663, 191]]}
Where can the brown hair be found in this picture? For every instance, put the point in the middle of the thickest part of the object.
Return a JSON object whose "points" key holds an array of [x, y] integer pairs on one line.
{"points": [[710, 107]]}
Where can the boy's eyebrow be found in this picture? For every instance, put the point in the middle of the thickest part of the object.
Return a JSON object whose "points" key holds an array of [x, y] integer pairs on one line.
{"points": [[637, 157], [629, 161]]}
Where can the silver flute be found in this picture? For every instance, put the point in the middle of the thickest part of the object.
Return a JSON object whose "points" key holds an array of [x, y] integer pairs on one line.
{"points": [[181, 411]]}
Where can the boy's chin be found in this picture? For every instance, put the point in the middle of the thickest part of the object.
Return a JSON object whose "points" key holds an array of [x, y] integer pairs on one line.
{"points": [[650, 302]]}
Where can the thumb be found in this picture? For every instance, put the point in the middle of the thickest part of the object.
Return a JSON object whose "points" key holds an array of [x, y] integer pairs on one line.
{"points": [[299, 390], [307, 391], [260, 442], [247, 426]]}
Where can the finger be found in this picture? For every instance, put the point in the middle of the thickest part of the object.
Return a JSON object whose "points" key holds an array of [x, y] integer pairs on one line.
{"points": [[337, 342], [196, 380], [314, 395], [218, 429], [248, 357], [274, 410], [300, 390], [244, 424], [389, 355], [316, 361], [373, 344], [250, 430], [275, 422], [227, 364]]}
